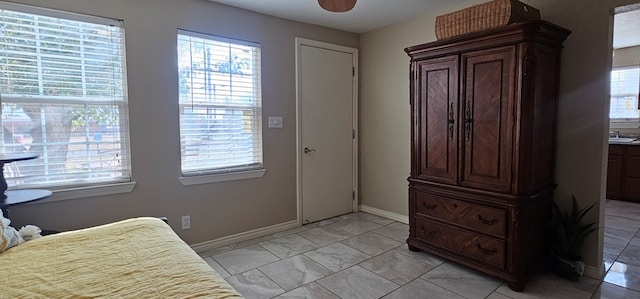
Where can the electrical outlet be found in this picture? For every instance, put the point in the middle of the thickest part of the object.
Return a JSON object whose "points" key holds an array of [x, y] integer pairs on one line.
{"points": [[186, 222]]}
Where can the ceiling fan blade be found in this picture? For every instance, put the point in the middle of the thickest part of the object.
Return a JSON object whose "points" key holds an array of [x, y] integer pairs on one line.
{"points": [[337, 5]]}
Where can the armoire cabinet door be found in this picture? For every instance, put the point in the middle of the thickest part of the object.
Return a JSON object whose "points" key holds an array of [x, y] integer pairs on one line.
{"points": [[487, 118], [435, 121]]}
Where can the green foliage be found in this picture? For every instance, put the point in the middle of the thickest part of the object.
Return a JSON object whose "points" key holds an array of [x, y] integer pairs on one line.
{"points": [[93, 114], [567, 232], [233, 65]]}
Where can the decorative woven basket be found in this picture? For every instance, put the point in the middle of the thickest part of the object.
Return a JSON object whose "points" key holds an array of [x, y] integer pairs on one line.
{"points": [[484, 16]]}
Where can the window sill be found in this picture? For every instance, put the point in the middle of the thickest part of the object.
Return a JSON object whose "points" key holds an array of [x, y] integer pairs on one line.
{"points": [[223, 177], [89, 191]]}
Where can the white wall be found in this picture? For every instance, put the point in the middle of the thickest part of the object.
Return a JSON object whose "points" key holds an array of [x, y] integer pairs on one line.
{"points": [[219, 209], [582, 116]]}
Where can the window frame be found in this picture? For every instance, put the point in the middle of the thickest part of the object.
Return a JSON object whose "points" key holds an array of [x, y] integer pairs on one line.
{"points": [[83, 189], [229, 172]]}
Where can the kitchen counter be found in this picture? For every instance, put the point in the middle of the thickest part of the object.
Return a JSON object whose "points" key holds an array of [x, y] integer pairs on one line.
{"points": [[612, 141]]}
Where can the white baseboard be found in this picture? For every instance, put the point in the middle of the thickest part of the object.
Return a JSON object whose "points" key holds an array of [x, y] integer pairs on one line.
{"points": [[594, 272], [260, 232], [386, 214], [256, 233]]}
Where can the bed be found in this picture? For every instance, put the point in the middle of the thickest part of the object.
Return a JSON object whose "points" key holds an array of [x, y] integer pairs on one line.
{"points": [[135, 258]]}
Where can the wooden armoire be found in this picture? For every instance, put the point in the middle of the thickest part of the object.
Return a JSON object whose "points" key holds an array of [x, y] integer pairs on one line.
{"points": [[483, 142]]}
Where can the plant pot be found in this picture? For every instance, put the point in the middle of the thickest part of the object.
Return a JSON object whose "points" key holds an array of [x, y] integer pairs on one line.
{"points": [[569, 269]]}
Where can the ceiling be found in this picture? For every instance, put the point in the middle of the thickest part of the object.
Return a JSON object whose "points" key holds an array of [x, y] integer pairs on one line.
{"points": [[367, 15], [626, 29]]}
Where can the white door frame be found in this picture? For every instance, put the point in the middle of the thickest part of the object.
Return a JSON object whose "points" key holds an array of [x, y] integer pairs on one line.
{"points": [[354, 105]]}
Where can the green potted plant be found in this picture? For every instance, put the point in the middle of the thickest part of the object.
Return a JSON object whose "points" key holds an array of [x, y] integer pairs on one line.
{"points": [[567, 233]]}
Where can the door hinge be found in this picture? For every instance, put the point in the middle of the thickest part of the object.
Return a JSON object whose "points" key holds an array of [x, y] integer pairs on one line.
{"points": [[353, 195], [353, 134], [353, 71]]}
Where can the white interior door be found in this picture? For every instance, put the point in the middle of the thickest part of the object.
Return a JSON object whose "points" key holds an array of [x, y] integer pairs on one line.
{"points": [[326, 122]]}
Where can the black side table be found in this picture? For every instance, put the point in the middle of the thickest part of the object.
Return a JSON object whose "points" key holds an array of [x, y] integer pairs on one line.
{"points": [[15, 197]]}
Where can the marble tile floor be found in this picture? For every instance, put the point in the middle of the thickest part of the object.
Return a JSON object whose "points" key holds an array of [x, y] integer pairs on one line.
{"points": [[360, 255]]}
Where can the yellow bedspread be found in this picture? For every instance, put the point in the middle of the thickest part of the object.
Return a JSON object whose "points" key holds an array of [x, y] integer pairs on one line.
{"points": [[136, 258]]}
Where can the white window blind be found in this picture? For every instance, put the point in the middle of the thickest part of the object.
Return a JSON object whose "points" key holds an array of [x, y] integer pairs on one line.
{"points": [[220, 104], [624, 93], [64, 98]]}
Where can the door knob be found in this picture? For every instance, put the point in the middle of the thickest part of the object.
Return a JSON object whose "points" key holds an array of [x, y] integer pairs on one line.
{"points": [[307, 150]]}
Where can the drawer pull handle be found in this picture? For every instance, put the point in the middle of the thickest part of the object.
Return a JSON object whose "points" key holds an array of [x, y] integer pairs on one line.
{"points": [[422, 230], [429, 207], [455, 205], [485, 250], [486, 221]]}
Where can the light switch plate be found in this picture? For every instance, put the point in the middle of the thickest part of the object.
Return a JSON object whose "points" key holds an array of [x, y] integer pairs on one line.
{"points": [[275, 122]]}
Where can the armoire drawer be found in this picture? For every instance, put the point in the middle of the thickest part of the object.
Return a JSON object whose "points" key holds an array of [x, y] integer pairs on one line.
{"points": [[476, 217], [469, 244]]}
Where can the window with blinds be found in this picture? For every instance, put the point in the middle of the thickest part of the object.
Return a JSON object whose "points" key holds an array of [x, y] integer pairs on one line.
{"points": [[64, 97], [624, 93], [220, 104]]}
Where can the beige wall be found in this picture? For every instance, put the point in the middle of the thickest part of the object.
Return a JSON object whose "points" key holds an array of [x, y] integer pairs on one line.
{"points": [[583, 107], [219, 209], [384, 111]]}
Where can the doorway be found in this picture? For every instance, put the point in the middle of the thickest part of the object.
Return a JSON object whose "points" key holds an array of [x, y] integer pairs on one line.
{"points": [[326, 83], [620, 219], [624, 113]]}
